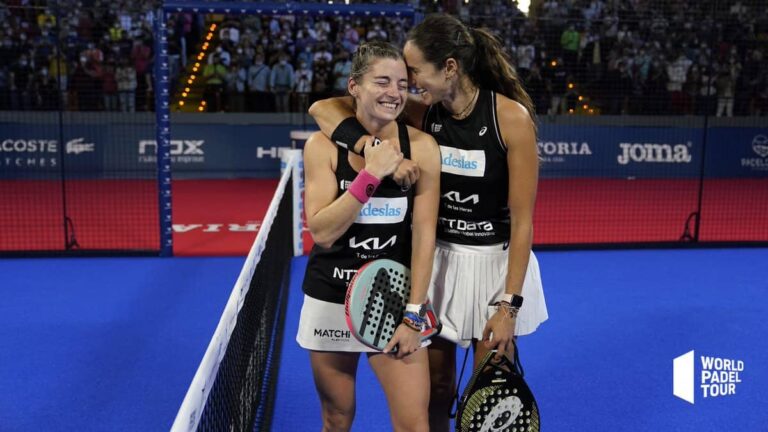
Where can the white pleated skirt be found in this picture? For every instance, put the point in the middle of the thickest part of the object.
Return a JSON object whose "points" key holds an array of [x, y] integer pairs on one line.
{"points": [[467, 280]]}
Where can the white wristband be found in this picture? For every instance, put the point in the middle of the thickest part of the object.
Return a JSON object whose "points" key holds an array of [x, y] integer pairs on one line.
{"points": [[412, 307]]}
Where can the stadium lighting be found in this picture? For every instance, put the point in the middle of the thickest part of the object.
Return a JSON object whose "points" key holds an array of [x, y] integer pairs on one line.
{"points": [[524, 6]]}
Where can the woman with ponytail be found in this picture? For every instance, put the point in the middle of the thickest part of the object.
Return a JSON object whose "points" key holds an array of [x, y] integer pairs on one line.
{"points": [[486, 285]]}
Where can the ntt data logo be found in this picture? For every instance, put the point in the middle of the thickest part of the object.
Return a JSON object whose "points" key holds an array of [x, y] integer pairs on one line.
{"points": [[717, 377]]}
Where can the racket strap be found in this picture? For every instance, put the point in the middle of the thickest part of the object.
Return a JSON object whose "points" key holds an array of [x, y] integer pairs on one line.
{"points": [[455, 402]]}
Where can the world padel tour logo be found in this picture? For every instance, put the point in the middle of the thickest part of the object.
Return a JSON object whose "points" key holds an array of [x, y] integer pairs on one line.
{"points": [[717, 377]]}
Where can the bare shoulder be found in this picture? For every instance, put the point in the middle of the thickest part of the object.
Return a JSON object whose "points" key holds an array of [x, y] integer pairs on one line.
{"points": [[318, 142], [510, 110], [318, 149], [515, 121], [423, 145]]}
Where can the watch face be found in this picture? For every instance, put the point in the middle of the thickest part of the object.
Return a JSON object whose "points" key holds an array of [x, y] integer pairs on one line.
{"points": [[423, 310], [517, 301]]}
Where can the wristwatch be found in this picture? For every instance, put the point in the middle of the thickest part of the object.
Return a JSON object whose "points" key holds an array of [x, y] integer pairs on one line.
{"points": [[514, 300]]}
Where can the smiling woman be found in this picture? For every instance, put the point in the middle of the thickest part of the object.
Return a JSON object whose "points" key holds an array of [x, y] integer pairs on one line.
{"points": [[357, 213]]}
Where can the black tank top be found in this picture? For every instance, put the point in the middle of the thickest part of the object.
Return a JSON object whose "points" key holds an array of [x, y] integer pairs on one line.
{"points": [[474, 183], [381, 230]]}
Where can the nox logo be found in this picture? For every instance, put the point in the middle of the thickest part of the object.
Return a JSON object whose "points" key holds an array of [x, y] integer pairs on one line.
{"points": [[456, 197], [373, 243], [77, 146], [654, 153], [178, 147], [718, 376]]}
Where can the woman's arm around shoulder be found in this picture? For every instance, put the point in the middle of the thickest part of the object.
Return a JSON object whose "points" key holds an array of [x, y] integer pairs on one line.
{"points": [[426, 153]]}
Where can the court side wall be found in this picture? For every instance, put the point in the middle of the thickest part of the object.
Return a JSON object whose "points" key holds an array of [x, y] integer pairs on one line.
{"points": [[36, 145]]}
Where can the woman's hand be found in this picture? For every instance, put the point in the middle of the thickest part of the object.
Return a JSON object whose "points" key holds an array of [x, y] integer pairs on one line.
{"points": [[382, 160], [406, 339], [499, 333]]}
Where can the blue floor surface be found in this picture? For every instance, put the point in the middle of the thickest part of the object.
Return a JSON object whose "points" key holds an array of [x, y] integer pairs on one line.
{"points": [[111, 344], [603, 361], [105, 344]]}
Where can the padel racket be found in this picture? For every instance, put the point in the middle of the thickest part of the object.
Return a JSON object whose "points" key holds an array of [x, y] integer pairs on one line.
{"points": [[376, 299], [497, 398]]}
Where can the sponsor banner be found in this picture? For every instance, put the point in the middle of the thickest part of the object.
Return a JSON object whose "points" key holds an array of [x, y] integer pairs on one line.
{"points": [[619, 152], [741, 152], [130, 151], [224, 150]]}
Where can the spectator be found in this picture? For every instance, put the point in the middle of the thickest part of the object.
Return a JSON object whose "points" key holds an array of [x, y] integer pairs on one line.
{"points": [[677, 74], [350, 38], [725, 93], [281, 82], [569, 42], [21, 84], [258, 84], [321, 77], [215, 75], [109, 87], [141, 54], [302, 87], [341, 70], [126, 86], [236, 82]]}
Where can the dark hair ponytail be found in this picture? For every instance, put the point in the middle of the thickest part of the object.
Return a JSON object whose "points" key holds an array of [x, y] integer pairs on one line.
{"points": [[478, 52], [493, 70]]}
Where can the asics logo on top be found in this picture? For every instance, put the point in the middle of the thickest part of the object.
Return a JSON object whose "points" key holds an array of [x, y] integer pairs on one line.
{"points": [[483, 130]]}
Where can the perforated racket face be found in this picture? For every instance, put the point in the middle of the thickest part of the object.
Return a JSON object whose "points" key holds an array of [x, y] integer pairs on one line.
{"points": [[376, 298], [498, 401]]}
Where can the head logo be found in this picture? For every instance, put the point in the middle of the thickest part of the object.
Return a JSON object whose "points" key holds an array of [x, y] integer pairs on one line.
{"points": [[719, 376], [760, 145]]}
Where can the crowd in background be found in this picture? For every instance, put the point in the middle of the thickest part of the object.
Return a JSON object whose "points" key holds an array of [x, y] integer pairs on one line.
{"points": [[574, 56]]}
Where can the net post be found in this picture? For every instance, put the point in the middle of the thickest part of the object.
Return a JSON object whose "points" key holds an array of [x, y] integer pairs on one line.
{"points": [[292, 159], [163, 133]]}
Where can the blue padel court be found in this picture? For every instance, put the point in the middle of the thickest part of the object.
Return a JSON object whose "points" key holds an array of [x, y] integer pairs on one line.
{"points": [[112, 344]]}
